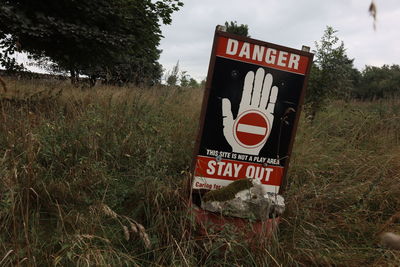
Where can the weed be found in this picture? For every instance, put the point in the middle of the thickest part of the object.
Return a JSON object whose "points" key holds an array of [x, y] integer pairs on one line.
{"points": [[95, 178]]}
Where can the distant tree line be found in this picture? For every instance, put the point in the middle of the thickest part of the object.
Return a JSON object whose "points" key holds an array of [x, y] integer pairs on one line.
{"points": [[333, 76], [115, 40], [176, 77], [378, 82]]}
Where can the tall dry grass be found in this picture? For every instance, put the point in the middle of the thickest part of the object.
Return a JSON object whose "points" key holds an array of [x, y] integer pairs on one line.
{"points": [[345, 175], [94, 178]]}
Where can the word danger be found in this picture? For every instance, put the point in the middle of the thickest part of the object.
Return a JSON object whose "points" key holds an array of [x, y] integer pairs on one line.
{"points": [[262, 53], [233, 170]]}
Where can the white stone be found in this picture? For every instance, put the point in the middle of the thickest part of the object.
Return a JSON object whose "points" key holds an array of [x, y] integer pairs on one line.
{"points": [[253, 203]]}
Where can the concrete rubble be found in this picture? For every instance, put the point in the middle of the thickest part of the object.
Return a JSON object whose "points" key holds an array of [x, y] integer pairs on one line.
{"points": [[252, 203]]}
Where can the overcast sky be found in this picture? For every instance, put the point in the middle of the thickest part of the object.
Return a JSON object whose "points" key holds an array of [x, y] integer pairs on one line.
{"points": [[286, 22]]}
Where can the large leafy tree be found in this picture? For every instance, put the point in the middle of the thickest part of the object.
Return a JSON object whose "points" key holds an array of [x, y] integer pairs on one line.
{"points": [[94, 37]]}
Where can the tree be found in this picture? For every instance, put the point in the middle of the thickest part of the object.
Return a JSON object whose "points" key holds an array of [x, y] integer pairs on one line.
{"points": [[193, 83], [187, 81], [172, 76], [93, 37], [175, 77], [378, 82], [203, 83], [184, 80], [332, 73], [233, 27]]}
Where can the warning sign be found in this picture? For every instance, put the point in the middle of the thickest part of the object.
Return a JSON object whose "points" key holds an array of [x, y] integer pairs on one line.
{"points": [[251, 107]]}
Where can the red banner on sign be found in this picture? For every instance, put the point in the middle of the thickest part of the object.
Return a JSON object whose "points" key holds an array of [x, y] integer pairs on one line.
{"points": [[261, 55], [233, 170]]}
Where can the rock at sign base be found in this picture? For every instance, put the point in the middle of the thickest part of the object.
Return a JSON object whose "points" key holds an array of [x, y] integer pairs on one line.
{"points": [[251, 203]]}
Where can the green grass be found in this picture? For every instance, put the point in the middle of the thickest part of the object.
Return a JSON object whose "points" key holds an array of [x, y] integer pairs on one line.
{"points": [[81, 170]]}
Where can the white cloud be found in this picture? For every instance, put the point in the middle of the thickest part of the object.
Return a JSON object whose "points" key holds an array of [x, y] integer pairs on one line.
{"points": [[290, 23]]}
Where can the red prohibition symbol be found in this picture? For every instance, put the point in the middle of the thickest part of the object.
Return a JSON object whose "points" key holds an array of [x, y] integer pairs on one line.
{"points": [[251, 129]]}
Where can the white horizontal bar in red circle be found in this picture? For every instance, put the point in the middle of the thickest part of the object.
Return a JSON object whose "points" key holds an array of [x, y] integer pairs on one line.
{"points": [[251, 129]]}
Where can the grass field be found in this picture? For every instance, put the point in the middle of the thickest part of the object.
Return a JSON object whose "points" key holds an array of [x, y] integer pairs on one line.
{"points": [[95, 178]]}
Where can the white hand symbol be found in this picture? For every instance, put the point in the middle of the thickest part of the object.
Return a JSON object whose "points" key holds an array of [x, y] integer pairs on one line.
{"points": [[251, 128]]}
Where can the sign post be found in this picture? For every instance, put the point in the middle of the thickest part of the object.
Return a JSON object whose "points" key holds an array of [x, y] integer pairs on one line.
{"points": [[251, 108]]}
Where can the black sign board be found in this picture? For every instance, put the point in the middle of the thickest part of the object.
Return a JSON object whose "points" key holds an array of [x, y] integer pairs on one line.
{"points": [[251, 108]]}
